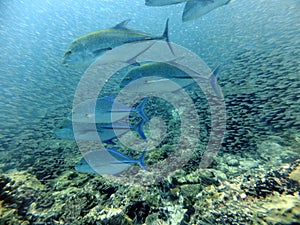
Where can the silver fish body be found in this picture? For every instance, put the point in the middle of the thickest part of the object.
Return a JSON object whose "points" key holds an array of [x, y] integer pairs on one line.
{"points": [[107, 161], [85, 49], [104, 110], [162, 2], [156, 77], [196, 8], [89, 131]]}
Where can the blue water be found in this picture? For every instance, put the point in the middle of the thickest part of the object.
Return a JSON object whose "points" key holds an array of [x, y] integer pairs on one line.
{"points": [[34, 35]]}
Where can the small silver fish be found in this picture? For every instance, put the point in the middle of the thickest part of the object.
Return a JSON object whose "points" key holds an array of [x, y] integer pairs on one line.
{"points": [[214, 83]]}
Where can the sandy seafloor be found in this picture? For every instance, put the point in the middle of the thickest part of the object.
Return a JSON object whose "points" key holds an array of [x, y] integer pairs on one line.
{"points": [[253, 180]]}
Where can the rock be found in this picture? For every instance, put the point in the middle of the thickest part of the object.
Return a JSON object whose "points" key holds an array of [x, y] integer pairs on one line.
{"points": [[233, 162], [190, 191], [247, 164], [283, 209], [211, 176], [295, 174], [114, 216], [243, 196]]}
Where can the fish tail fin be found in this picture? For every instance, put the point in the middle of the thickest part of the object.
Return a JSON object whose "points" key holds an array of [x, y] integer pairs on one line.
{"points": [[214, 82], [216, 71], [165, 36], [139, 129], [132, 61], [140, 110], [141, 161]]}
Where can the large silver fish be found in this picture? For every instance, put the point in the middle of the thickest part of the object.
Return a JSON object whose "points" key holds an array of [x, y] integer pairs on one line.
{"points": [[162, 2], [104, 110], [196, 8], [85, 49], [156, 77], [92, 132], [107, 161], [162, 77], [193, 8]]}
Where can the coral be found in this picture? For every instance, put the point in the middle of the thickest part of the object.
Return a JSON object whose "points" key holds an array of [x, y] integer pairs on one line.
{"points": [[281, 209], [182, 199], [17, 192]]}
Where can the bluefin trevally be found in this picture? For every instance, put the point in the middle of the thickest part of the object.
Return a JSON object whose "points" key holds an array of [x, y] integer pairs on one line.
{"points": [[85, 49], [104, 110], [156, 77], [193, 8], [196, 8], [162, 2], [107, 161], [140, 78], [92, 132]]}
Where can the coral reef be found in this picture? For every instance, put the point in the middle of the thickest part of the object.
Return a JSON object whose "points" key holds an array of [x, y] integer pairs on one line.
{"points": [[270, 197]]}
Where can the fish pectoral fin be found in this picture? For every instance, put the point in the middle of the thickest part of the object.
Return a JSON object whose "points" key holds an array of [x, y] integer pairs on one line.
{"points": [[122, 25], [100, 51], [139, 39]]}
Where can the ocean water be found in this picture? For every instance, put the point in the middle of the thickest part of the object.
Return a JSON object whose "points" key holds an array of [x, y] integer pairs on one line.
{"points": [[256, 44]]}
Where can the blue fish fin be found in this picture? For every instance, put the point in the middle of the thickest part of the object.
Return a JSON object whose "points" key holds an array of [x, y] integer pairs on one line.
{"points": [[141, 161], [122, 25], [120, 157], [140, 110], [139, 128], [214, 83], [165, 36], [109, 142]]}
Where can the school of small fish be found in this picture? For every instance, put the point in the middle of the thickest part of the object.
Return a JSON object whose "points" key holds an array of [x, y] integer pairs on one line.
{"points": [[97, 118]]}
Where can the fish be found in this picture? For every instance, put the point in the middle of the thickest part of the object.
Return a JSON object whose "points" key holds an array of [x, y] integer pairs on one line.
{"points": [[214, 83], [92, 132], [140, 78], [108, 161], [162, 2], [163, 77], [193, 8], [104, 110], [196, 8], [84, 50]]}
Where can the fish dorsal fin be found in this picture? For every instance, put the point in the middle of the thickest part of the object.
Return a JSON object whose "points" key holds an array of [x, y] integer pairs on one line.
{"points": [[122, 25]]}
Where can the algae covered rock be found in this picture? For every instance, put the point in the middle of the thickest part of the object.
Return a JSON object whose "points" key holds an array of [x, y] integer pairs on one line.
{"points": [[17, 192], [114, 216], [283, 209]]}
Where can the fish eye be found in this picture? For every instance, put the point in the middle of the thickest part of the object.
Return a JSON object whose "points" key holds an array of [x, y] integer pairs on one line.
{"points": [[87, 115], [61, 127]]}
